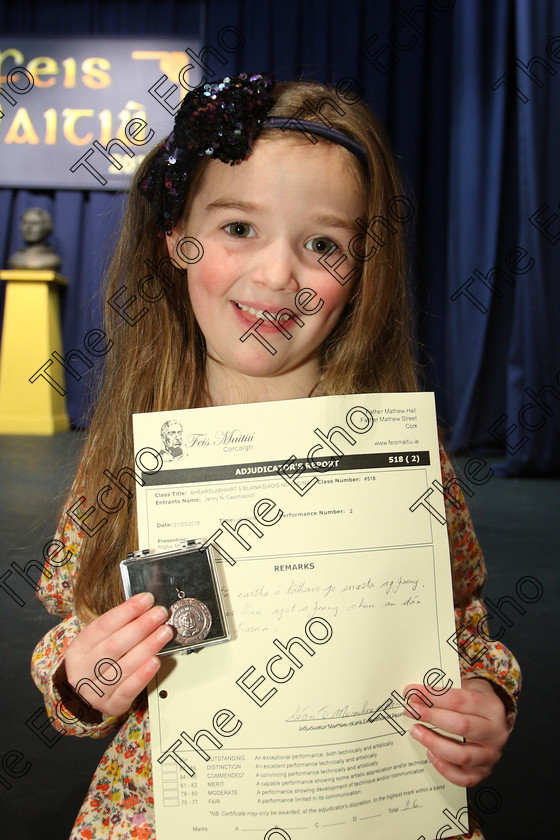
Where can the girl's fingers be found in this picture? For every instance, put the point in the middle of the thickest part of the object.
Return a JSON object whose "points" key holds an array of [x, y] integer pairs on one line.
{"points": [[130, 635], [458, 775], [122, 627], [135, 670], [138, 667], [455, 699], [128, 689], [148, 647], [131, 624], [474, 715], [455, 752], [115, 619], [468, 726]]}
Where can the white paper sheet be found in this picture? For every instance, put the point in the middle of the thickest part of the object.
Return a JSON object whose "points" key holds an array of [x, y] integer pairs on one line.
{"points": [[339, 596]]}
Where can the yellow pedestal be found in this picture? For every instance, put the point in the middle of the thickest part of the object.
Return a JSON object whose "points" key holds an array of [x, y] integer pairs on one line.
{"points": [[31, 332]]}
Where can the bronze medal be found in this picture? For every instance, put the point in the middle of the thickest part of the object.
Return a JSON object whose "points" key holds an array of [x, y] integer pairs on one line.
{"points": [[191, 620]]}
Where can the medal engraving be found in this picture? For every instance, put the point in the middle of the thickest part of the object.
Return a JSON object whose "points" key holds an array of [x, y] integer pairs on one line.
{"points": [[191, 619]]}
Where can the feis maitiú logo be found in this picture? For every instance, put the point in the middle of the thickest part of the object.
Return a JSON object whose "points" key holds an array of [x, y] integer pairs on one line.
{"points": [[172, 438], [232, 436], [175, 441]]}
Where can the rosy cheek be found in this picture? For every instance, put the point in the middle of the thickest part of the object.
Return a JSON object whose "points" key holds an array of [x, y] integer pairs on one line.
{"points": [[334, 297], [206, 281]]}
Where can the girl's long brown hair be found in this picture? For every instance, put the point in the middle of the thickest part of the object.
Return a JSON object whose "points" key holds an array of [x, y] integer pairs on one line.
{"points": [[158, 363]]}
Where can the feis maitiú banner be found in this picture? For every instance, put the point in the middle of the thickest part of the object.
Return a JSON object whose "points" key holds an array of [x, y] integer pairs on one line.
{"points": [[75, 92]]}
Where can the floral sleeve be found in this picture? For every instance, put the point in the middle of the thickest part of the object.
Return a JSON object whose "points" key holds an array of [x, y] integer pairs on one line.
{"points": [[478, 656], [56, 594]]}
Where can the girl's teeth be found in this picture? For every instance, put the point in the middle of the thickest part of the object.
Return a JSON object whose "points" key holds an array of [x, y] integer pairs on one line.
{"points": [[258, 313]]}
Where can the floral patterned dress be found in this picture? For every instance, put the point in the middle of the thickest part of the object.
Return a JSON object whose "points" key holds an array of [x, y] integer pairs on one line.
{"points": [[119, 803]]}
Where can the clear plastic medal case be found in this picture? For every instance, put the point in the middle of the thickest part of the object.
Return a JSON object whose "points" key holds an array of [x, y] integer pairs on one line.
{"points": [[184, 581]]}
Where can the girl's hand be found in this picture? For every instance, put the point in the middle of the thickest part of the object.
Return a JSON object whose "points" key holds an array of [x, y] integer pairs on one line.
{"points": [[477, 714], [130, 635]]}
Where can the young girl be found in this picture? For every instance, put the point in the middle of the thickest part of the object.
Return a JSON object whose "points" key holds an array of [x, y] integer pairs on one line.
{"points": [[263, 225]]}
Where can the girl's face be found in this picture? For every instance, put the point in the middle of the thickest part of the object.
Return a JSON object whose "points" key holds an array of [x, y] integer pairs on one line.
{"points": [[263, 225]]}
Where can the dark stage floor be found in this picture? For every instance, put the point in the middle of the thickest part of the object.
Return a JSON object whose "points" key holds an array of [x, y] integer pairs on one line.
{"points": [[517, 523]]}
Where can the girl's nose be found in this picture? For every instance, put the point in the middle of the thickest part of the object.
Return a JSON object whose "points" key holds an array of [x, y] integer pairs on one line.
{"points": [[276, 268]]}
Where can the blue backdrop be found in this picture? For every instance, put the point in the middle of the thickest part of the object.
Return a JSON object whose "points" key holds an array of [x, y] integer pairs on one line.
{"points": [[469, 91]]}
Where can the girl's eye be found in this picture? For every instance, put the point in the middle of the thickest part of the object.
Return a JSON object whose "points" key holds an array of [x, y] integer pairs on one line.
{"points": [[320, 244], [239, 229]]}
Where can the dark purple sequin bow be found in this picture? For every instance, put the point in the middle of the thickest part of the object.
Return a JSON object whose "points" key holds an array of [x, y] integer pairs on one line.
{"points": [[220, 120]]}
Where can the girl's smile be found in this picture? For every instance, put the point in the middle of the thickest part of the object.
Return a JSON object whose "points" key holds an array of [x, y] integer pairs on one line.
{"points": [[264, 224], [250, 312]]}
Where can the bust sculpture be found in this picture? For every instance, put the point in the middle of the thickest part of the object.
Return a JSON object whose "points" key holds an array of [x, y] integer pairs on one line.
{"points": [[36, 227]]}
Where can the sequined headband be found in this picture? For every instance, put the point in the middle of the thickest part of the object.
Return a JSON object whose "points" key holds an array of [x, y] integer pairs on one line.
{"points": [[221, 120]]}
